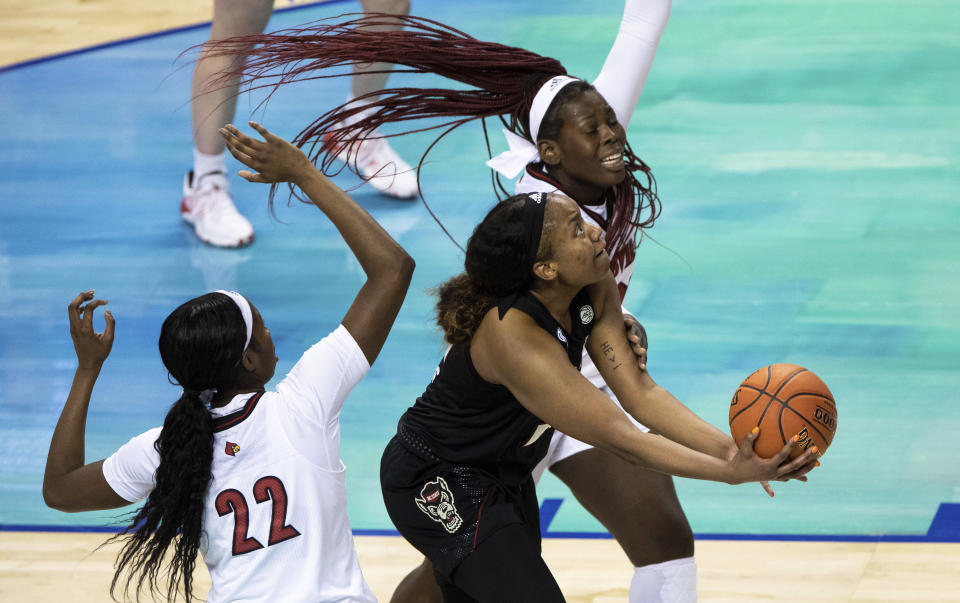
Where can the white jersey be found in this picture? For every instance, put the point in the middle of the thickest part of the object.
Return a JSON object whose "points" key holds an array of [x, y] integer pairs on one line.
{"points": [[620, 82], [275, 525]]}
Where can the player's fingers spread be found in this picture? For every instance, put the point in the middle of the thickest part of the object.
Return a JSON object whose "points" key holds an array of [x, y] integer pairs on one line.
{"points": [[232, 147], [83, 325], [240, 155], [73, 308], [238, 137], [251, 177], [783, 455], [267, 135], [246, 144], [797, 467], [79, 299], [111, 324], [797, 474], [808, 462], [805, 469], [246, 155], [88, 313], [237, 148], [807, 459], [227, 135]]}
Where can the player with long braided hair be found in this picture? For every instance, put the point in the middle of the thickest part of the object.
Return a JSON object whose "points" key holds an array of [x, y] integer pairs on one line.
{"points": [[251, 479], [564, 135]]}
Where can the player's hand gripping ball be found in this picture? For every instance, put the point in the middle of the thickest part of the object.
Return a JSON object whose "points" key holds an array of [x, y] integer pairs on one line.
{"points": [[784, 400]]}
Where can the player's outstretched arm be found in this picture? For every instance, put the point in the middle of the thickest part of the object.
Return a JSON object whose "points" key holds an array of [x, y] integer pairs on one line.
{"points": [[653, 405], [520, 355], [69, 484], [628, 64], [388, 267], [646, 401]]}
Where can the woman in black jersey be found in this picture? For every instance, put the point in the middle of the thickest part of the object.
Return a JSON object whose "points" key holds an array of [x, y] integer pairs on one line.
{"points": [[456, 478]]}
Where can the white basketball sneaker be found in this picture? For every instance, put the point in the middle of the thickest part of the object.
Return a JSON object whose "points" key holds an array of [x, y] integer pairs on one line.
{"points": [[207, 205], [381, 167]]}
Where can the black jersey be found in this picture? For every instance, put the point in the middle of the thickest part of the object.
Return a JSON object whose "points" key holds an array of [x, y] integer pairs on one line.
{"points": [[458, 469], [466, 420]]}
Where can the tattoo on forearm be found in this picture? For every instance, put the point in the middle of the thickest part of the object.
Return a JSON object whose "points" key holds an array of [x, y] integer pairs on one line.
{"points": [[609, 354]]}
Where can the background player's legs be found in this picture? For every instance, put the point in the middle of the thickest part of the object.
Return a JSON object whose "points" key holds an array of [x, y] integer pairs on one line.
{"points": [[206, 201], [363, 82], [374, 159], [211, 109], [507, 566], [641, 510]]}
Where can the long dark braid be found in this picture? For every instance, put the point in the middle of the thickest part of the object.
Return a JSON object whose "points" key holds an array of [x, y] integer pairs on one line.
{"points": [[504, 81], [200, 343], [497, 73]]}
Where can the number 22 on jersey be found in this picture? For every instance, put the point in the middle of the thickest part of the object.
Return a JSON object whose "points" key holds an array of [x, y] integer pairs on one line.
{"points": [[268, 488]]}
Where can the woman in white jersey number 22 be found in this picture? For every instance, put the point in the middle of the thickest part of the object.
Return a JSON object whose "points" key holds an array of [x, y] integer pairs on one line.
{"points": [[272, 524]]}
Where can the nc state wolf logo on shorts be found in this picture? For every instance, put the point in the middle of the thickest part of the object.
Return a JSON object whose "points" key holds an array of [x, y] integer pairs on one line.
{"points": [[436, 500]]}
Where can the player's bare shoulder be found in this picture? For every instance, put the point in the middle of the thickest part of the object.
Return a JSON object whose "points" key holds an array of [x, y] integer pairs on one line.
{"points": [[605, 298], [502, 341]]}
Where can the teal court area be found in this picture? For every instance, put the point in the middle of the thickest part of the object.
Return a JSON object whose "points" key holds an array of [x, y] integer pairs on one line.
{"points": [[807, 159]]}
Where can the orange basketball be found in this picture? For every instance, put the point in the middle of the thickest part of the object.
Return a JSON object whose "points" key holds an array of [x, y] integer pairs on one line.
{"points": [[784, 400]]}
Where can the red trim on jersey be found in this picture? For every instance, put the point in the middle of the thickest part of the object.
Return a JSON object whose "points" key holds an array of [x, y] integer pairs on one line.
{"points": [[235, 418], [476, 529], [542, 176]]}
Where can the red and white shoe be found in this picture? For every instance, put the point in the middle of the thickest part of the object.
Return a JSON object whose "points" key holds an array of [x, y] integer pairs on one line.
{"points": [[207, 205], [381, 167]]}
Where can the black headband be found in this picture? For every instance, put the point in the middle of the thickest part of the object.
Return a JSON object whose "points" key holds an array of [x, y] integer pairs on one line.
{"points": [[534, 206]]}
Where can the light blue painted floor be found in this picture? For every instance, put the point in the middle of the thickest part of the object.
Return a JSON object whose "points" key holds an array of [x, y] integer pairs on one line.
{"points": [[807, 158]]}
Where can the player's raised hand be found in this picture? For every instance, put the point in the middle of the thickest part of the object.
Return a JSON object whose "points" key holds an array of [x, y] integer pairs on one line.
{"points": [[92, 348], [273, 159]]}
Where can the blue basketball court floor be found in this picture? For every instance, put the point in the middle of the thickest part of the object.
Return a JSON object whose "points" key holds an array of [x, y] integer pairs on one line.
{"points": [[807, 159]]}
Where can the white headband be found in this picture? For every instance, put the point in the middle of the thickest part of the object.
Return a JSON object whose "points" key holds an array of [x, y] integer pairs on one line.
{"points": [[245, 310], [541, 102], [523, 151]]}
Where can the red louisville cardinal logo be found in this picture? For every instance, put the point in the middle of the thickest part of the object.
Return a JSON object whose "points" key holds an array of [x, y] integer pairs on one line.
{"points": [[232, 449]]}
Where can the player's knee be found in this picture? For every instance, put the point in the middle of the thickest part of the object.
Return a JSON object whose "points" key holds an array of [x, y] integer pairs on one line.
{"points": [[232, 18], [393, 7], [662, 536]]}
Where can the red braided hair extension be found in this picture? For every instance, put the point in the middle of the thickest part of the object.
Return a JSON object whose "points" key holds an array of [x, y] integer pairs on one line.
{"points": [[504, 80]]}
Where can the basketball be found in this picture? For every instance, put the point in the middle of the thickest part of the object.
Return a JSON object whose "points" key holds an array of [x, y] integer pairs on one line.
{"points": [[784, 400]]}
